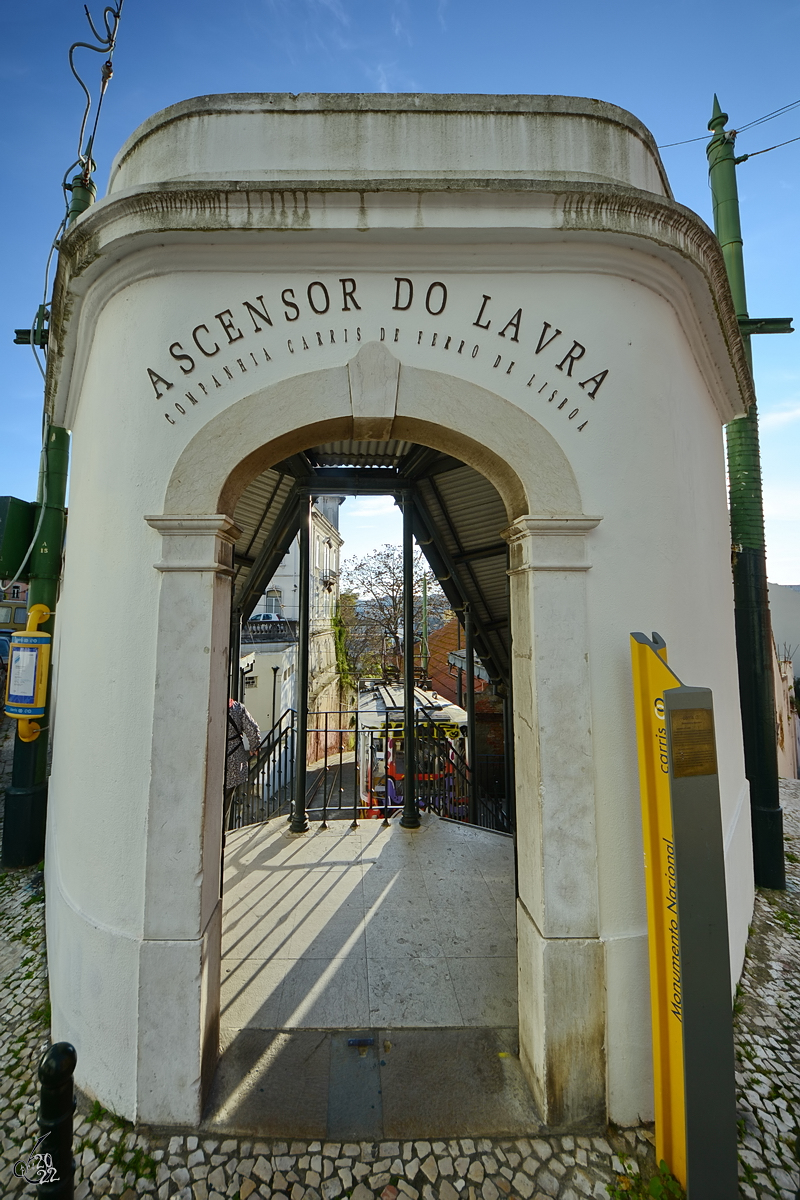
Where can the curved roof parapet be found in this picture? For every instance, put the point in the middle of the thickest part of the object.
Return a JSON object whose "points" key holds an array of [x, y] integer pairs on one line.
{"points": [[364, 139]]}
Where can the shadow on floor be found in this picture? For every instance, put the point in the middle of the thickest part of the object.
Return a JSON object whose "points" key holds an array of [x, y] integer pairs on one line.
{"points": [[371, 1084]]}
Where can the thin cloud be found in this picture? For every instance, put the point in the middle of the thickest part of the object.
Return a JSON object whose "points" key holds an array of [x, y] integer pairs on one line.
{"points": [[399, 22], [777, 420], [371, 506], [336, 10], [379, 76], [782, 501], [386, 77]]}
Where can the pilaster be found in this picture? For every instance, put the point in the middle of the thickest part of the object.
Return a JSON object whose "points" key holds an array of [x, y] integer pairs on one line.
{"points": [[179, 994], [561, 969]]}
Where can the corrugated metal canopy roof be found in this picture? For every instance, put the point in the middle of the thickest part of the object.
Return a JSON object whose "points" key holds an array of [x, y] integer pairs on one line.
{"points": [[359, 454], [459, 516]]}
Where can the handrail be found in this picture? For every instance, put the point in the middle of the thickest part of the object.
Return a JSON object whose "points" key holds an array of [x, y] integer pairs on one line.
{"points": [[443, 775], [269, 741]]}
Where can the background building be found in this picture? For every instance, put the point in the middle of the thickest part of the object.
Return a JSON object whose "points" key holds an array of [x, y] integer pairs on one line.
{"points": [[269, 638]]}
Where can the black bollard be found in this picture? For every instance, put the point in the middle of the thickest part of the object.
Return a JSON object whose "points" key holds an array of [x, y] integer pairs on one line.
{"points": [[56, 1106]]}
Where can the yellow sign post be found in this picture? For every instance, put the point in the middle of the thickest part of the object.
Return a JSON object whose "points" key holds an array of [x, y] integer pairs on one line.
{"points": [[651, 677], [26, 685]]}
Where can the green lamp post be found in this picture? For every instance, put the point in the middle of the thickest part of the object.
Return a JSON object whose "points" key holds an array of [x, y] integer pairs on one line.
{"points": [[748, 550]]}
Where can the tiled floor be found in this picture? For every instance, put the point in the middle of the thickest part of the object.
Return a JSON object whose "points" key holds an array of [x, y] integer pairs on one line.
{"points": [[347, 929]]}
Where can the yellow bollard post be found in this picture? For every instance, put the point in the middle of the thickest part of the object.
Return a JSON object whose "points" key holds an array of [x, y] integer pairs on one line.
{"points": [[651, 676]]}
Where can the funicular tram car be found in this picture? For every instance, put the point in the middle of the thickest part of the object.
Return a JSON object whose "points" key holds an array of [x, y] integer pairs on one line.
{"points": [[442, 772]]}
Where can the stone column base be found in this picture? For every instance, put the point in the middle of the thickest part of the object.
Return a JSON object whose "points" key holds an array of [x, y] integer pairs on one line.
{"points": [[562, 1019]]}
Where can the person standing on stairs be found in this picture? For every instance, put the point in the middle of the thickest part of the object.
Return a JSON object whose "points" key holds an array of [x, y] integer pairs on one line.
{"points": [[244, 738]]}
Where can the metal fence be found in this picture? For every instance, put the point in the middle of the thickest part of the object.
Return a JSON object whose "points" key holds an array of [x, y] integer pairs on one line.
{"points": [[268, 789], [356, 771]]}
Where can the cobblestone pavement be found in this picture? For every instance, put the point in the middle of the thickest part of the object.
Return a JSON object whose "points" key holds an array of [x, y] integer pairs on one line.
{"points": [[768, 1029], [117, 1160]]}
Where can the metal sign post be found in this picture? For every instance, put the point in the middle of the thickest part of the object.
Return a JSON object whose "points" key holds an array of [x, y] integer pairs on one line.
{"points": [[690, 982], [708, 1056]]}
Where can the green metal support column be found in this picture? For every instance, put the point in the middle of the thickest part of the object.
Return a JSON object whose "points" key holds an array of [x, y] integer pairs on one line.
{"points": [[299, 822], [410, 817], [748, 551], [424, 648], [235, 644], [26, 799]]}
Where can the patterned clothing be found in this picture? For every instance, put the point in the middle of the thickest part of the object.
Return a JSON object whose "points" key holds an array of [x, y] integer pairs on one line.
{"points": [[237, 756]]}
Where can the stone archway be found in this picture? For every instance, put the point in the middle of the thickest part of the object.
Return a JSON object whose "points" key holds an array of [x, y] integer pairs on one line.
{"points": [[555, 244], [561, 971]]}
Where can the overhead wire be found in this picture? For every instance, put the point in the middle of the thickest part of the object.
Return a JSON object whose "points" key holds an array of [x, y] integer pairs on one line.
{"points": [[667, 145], [770, 116], [106, 45], [42, 502], [778, 112], [753, 153], [84, 160]]}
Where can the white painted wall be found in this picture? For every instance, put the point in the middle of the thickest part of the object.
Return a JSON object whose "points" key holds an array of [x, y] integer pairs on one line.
{"points": [[129, 913], [258, 698], [784, 604]]}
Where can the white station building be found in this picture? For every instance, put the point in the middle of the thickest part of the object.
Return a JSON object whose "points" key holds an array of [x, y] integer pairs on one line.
{"points": [[502, 279]]}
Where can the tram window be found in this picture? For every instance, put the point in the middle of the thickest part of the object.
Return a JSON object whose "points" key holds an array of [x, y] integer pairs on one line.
{"points": [[5, 613], [20, 616]]}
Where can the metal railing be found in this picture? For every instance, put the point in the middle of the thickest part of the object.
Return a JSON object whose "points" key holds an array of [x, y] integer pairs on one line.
{"points": [[443, 775], [332, 772], [268, 788], [357, 772], [494, 811]]}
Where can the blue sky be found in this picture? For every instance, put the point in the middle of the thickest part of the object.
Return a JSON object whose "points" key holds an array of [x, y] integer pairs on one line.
{"points": [[662, 62]]}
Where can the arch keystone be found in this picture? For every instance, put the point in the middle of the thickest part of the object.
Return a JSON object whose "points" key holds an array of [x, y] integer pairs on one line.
{"points": [[374, 376]]}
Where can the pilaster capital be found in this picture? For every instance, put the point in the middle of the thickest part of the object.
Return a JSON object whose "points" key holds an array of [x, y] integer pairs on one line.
{"points": [[196, 542], [563, 550]]}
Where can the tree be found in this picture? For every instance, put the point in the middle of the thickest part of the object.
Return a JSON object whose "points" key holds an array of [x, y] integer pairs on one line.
{"points": [[371, 609]]}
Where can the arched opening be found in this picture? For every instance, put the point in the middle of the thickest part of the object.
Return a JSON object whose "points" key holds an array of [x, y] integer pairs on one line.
{"points": [[560, 964], [369, 949]]}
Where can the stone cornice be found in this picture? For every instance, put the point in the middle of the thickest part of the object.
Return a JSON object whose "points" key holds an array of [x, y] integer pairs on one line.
{"points": [[476, 211], [526, 526], [309, 106], [564, 550], [201, 542]]}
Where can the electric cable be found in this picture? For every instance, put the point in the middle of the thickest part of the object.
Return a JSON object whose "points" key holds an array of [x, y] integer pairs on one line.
{"points": [[45, 418], [771, 116], [668, 145], [53, 247], [106, 46], [753, 153], [111, 16], [43, 505], [778, 112]]}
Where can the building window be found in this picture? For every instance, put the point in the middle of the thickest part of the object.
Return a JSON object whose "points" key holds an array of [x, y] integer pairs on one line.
{"points": [[272, 601], [15, 592]]}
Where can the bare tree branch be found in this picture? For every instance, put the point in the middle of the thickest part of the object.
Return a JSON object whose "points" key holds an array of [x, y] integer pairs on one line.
{"points": [[372, 608]]}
